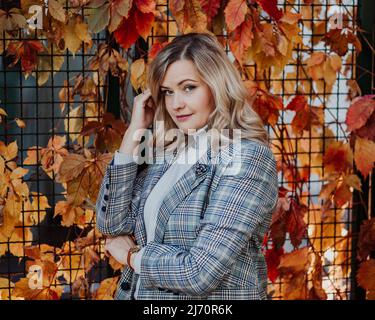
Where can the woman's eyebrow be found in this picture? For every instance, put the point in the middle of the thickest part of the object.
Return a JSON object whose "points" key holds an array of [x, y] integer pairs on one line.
{"points": [[180, 82]]}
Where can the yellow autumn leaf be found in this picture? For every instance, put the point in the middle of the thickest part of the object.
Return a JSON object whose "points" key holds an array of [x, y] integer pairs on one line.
{"points": [[3, 112], [10, 151], [4, 285], [106, 289], [76, 32], [32, 156], [71, 266], [18, 173], [56, 10], [138, 74], [21, 235], [11, 216], [20, 123], [68, 212]]}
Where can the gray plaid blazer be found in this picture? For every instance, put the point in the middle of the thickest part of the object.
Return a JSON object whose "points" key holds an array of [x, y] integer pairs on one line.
{"points": [[209, 229]]}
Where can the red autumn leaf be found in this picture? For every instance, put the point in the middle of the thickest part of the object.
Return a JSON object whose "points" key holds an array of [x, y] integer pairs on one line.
{"points": [[126, 34], [342, 195], [367, 131], [210, 8], [273, 260], [365, 275], [240, 39], [27, 51], [144, 22], [270, 6], [265, 103], [366, 242], [279, 218], [338, 157], [359, 112], [298, 103], [156, 47], [306, 116], [137, 24], [296, 225], [339, 40]]}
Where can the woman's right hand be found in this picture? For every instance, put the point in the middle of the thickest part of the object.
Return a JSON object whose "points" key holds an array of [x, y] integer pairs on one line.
{"points": [[143, 111]]}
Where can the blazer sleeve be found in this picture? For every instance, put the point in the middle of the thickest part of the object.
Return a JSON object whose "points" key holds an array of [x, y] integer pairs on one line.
{"points": [[236, 208], [118, 199]]}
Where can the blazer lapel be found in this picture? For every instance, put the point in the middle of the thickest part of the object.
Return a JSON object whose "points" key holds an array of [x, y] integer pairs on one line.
{"points": [[190, 180]]}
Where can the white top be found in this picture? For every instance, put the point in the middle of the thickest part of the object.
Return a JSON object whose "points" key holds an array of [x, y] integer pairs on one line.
{"points": [[195, 149]]}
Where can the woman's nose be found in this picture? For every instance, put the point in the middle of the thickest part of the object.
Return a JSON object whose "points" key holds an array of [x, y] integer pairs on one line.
{"points": [[177, 102]]}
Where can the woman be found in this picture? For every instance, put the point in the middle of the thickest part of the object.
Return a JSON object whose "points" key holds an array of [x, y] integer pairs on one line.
{"points": [[188, 229]]}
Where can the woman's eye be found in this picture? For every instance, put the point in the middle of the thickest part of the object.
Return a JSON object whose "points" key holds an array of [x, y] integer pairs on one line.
{"points": [[168, 92], [191, 87]]}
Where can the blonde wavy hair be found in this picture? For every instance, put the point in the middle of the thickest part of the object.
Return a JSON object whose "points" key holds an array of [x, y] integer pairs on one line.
{"points": [[232, 101]]}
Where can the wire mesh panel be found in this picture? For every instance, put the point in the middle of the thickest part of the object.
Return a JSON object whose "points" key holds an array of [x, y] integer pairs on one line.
{"points": [[52, 102], [58, 83]]}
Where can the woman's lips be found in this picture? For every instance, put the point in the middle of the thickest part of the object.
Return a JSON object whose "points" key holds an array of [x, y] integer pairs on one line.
{"points": [[183, 118]]}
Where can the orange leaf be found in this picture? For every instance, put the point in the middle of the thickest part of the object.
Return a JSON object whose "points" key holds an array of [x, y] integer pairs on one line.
{"points": [[10, 151], [189, 15], [71, 167], [146, 6], [33, 154], [235, 12], [294, 262], [68, 212], [20, 123], [106, 289], [240, 39], [317, 291], [364, 155]]}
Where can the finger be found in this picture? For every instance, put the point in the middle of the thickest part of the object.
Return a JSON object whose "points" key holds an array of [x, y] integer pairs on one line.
{"points": [[146, 94], [129, 241], [150, 103]]}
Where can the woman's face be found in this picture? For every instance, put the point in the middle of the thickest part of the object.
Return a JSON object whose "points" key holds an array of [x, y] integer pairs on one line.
{"points": [[186, 95]]}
